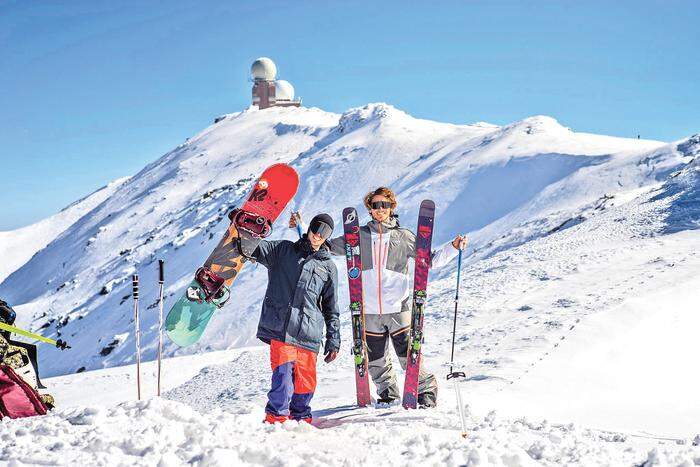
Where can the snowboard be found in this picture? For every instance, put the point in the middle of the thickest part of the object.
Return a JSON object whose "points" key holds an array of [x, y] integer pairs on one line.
{"points": [[190, 315], [424, 238], [351, 228]]}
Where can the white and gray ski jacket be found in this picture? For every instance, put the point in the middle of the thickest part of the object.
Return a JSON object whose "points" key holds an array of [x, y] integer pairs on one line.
{"points": [[385, 250]]}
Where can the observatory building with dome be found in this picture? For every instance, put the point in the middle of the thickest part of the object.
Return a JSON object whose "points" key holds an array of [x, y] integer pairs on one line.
{"points": [[268, 91]]}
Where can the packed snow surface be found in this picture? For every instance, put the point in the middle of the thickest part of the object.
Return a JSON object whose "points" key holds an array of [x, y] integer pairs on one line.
{"points": [[214, 418], [576, 322]]}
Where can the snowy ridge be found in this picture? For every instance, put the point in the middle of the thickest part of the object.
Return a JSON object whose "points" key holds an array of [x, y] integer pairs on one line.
{"points": [[18, 246], [174, 208], [582, 257], [683, 190]]}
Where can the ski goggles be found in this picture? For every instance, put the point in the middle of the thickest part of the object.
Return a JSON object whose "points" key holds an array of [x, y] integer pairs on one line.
{"points": [[381, 204], [321, 228]]}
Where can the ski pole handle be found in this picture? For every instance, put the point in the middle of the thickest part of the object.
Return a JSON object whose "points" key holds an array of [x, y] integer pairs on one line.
{"points": [[135, 285], [295, 221], [161, 274]]}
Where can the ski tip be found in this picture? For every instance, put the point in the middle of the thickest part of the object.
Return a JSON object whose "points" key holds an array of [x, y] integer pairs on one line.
{"points": [[349, 215]]}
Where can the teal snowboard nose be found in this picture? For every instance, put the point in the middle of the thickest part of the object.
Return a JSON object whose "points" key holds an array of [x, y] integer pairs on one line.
{"points": [[189, 318]]}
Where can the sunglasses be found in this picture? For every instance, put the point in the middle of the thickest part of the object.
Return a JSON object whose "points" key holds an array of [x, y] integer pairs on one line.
{"points": [[381, 204]]}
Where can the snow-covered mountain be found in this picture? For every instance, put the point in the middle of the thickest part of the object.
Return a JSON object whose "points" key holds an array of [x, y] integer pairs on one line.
{"points": [[568, 230], [18, 246]]}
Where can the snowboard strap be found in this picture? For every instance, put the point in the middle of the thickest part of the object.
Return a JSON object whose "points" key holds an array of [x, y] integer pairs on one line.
{"points": [[256, 225], [212, 284]]}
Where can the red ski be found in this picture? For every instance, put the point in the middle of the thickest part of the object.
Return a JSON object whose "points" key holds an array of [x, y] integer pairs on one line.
{"points": [[351, 227], [424, 239]]}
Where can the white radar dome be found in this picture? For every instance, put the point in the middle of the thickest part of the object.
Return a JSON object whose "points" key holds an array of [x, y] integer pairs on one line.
{"points": [[284, 90], [263, 68]]}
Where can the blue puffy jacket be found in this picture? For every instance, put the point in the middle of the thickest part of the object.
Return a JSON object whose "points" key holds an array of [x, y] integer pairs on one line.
{"points": [[301, 296]]}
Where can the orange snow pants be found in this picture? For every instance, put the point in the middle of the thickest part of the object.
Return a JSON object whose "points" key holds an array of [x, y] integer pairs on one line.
{"points": [[293, 381]]}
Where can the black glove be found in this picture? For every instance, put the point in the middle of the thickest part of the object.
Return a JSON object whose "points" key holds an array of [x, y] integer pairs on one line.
{"points": [[331, 346]]}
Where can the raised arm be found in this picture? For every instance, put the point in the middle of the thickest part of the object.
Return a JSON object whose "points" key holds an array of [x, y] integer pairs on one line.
{"points": [[440, 256], [443, 255], [266, 252], [337, 245]]}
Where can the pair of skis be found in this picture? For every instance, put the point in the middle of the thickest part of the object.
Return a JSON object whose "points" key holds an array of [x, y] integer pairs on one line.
{"points": [[351, 227]]}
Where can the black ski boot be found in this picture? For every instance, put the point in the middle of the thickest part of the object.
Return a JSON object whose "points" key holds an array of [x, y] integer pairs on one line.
{"points": [[427, 400], [388, 396]]}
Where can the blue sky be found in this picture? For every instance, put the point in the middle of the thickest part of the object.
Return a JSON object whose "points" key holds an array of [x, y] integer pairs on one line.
{"points": [[91, 91]]}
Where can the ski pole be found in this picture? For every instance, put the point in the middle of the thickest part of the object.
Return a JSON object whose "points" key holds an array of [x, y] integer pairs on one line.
{"points": [[454, 321], [161, 281], [454, 375], [63, 345], [135, 284]]}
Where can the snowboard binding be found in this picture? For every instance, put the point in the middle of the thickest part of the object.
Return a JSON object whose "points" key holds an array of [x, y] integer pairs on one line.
{"points": [[211, 288], [257, 226]]}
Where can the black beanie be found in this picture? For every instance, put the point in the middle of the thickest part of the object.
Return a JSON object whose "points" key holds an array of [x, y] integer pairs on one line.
{"points": [[318, 221]]}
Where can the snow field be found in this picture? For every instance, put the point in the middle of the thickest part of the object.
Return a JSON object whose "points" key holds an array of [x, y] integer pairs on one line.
{"points": [[222, 426]]}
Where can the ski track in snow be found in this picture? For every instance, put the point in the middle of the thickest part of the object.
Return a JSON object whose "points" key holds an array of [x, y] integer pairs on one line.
{"points": [[574, 326]]}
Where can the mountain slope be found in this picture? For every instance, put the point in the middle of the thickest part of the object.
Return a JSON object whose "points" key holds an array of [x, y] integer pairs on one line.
{"points": [[18, 246], [507, 185]]}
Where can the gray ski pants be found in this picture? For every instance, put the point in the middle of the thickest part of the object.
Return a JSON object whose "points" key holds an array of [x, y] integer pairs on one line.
{"points": [[379, 330]]}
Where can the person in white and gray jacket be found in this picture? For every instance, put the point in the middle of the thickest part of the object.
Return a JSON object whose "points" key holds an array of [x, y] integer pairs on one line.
{"points": [[387, 285]]}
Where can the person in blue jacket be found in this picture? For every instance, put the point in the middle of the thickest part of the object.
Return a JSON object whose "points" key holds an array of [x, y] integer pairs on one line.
{"points": [[301, 298]]}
